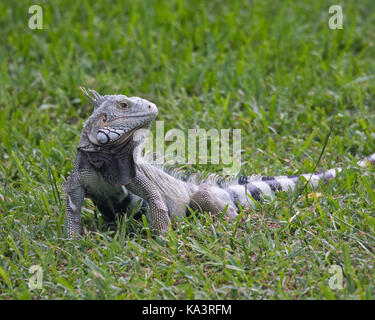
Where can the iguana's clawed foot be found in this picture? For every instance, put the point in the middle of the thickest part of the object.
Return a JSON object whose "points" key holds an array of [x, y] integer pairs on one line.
{"points": [[231, 213], [160, 220], [206, 200]]}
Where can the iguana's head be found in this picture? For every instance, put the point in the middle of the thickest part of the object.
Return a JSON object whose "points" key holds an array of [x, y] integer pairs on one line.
{"points": [[115, 118]]}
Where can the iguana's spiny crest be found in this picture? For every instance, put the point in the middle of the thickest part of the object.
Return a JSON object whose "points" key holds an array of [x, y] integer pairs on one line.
{"points": [[115, 119]]}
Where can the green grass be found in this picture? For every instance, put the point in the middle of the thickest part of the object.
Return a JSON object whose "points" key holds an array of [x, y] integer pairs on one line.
{"points": [[270, 68]]}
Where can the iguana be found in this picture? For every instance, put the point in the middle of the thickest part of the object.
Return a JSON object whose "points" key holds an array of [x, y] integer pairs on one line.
{"points": [[105, 170]]}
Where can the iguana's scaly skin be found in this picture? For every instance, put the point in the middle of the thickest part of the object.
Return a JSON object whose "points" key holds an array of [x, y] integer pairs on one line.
{"points": [[106, 171]]}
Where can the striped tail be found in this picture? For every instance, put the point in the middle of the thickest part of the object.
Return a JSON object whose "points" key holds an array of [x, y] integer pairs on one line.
{"points": [[269, 186]]}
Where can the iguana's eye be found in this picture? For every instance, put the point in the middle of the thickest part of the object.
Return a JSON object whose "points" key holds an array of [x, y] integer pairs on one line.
{"points": [[123, 105]]}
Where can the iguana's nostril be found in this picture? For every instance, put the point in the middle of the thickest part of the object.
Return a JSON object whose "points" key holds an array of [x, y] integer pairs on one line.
{"points": [[149, 106]]}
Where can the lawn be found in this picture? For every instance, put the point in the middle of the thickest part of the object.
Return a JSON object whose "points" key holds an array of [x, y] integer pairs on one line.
{"points": [[273, 69]]}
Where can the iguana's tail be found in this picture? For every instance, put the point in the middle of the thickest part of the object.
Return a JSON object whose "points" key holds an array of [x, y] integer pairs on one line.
{"points": [[256, 187]]}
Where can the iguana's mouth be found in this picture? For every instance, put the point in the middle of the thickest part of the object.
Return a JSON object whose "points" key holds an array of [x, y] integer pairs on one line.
{"points": [[107, 136], [127, 136]]}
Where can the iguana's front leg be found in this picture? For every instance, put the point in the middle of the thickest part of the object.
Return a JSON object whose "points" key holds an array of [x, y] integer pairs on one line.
{"points": [[75, 194], [206, 200], [142, 187]]}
